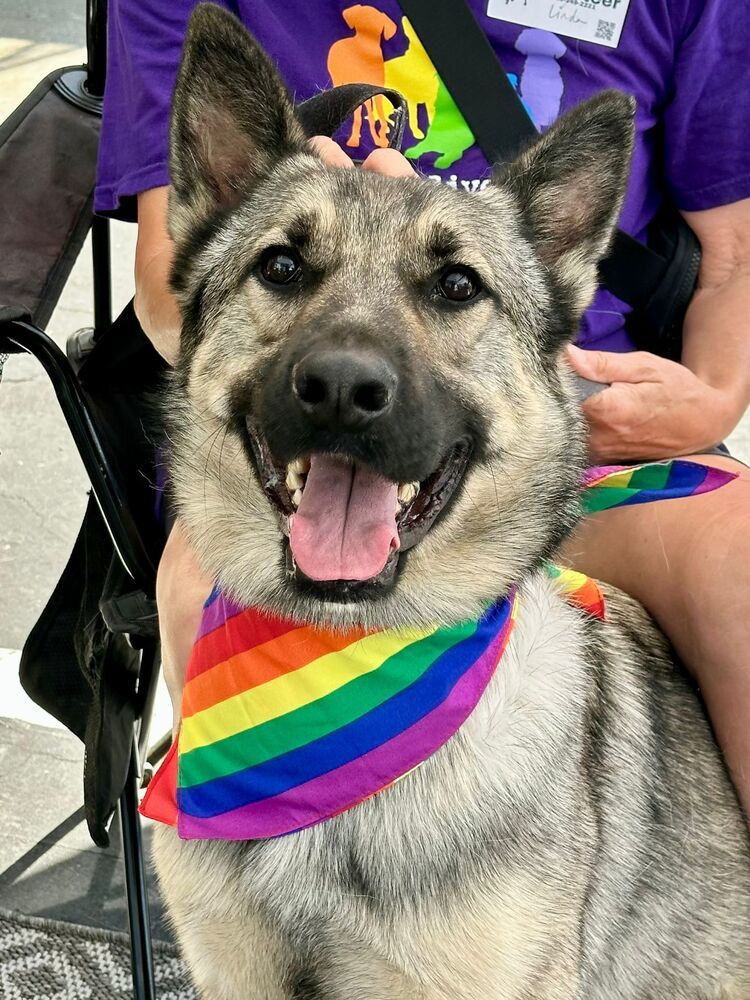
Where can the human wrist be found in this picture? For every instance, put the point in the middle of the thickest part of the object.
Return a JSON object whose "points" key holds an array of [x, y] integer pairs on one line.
{"points": [[715, 343], [722, 409]]}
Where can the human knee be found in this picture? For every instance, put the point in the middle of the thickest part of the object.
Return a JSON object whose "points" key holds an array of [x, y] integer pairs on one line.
{"points": [[181, 591], [180, 581]]}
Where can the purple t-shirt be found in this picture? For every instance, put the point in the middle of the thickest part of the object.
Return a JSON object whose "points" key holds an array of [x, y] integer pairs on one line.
{"points": [[685, 61]]}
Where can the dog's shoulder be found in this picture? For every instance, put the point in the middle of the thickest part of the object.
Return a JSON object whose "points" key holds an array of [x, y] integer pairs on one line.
{"points": [[624, 631], [552, 623], [627, 617]]}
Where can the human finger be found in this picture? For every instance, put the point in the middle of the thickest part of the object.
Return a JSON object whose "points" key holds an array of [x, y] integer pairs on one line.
{"points": [[329, 152], [389, 162], [610, 366]]}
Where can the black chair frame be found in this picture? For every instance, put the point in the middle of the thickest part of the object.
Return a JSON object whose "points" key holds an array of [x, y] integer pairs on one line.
{"points": [[21, 336], [19, 333]]}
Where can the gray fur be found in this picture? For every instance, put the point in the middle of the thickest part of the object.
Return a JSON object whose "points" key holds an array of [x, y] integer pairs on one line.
{"points": [[578, 837]]}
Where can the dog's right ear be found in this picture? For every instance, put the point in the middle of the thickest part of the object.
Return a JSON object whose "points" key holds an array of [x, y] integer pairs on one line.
{"points": [[232, 118]]}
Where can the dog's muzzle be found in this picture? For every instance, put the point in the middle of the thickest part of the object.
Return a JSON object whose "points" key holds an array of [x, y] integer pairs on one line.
{"points": [[344, 390], [360, 451]]}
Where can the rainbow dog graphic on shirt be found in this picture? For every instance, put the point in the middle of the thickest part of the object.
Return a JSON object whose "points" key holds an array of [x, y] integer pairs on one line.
{"points": [[436, 122], [359, 59]]}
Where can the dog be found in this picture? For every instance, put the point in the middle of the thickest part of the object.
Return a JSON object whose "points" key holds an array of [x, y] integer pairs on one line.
{"points": [[578, 837]]}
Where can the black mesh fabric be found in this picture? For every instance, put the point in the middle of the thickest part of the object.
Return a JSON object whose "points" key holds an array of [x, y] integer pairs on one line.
{"points": [[47, 165]]}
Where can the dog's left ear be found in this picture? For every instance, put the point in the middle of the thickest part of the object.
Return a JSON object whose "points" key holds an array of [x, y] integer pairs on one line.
{"points": [[232, 118], [570, 185]]}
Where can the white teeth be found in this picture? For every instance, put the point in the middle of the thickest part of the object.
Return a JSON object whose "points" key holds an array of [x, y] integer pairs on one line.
{"points": [[294, 480], [407, 492]]}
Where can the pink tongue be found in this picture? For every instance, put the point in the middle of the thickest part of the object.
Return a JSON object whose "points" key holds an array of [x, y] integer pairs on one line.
{"points": [[345, 527]]}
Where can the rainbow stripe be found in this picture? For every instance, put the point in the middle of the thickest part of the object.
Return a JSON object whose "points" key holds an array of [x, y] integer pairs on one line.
{"points": [[578, 589], [623, 485], [285, 726]]}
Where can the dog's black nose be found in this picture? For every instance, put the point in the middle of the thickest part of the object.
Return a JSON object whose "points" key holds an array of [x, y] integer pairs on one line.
{"points": [[344, 389]]}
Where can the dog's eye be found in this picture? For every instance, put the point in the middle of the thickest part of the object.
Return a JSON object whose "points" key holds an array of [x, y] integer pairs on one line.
{"points": [[280, 266], [459, 284]]}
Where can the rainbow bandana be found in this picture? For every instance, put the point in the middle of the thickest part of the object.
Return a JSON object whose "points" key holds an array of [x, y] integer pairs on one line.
{"points": [[622, 486], [284, 725]]}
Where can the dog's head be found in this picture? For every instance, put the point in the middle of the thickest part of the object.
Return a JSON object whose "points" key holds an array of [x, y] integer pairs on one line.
{"points": [[371, 418]]}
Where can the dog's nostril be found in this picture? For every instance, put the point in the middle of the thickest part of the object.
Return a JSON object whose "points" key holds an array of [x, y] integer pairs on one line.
{"points": [[372, 397], [310, 389]]}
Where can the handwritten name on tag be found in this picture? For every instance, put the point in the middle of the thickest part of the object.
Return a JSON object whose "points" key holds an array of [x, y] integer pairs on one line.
{"points": [[597, 21]]}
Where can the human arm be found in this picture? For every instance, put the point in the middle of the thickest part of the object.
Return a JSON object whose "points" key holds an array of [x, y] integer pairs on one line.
{"points": [[155, 305], [656, 408], [716, 334]]}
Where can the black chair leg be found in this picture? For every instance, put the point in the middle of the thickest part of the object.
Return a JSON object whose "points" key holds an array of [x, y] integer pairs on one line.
{"points": [[135, 885]]}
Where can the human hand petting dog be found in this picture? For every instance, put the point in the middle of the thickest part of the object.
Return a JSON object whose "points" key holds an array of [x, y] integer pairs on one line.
{"points": [[651, 408], [380, 161]]}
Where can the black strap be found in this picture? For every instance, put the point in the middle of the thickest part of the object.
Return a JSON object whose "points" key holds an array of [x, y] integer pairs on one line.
{"points": [[631, 270], [467, 64], [470, 69], [326, 112]]}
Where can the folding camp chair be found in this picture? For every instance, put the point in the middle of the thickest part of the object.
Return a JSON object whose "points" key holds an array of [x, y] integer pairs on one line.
{"points": [[48, 153]]}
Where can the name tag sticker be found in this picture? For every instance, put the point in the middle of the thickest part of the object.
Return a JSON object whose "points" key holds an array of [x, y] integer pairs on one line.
{"points": [[597, 21]]}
